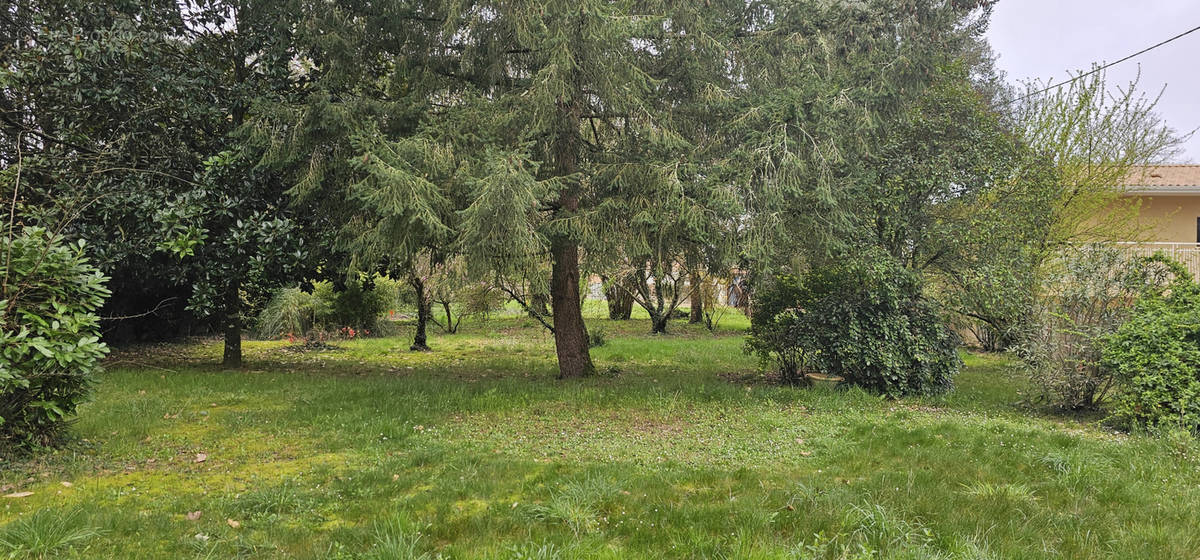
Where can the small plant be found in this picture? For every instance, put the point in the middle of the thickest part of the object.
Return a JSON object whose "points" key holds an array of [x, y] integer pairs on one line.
{"points": [[1000, 492], [882, 530], [350, 333], [597, 337], [394, 541], [45, 534], [575, 506], [532, 551], [273, 500], [713, 314]]}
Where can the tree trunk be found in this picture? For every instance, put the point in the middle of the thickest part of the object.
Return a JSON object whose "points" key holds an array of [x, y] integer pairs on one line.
{"points": [[570, 333], [697, 299], [654, 302], [424, 311], [697, 313], [232, 357], [658, 323], [620, 301], [539, 305], [451, 326]]}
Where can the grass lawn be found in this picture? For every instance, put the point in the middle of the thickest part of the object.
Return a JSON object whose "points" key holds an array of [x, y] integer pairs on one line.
{"points": [[678, 450]]}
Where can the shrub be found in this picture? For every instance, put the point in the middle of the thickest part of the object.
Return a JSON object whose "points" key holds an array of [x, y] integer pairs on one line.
{"points": [[49, 345], [360, 304], [1089, 295], [863, 320], [597, 337], [294, 313], [1155, 356], [994, 302]]}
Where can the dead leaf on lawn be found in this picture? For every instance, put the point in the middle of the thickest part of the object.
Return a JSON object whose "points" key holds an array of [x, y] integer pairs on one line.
{"points": [[67, 484], [18, 495], [233, 523], [201, 457], [194, 515]]}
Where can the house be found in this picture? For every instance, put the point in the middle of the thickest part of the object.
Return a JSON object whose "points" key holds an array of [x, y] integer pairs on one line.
{"points": [[1168, 216], [1170, 203]]}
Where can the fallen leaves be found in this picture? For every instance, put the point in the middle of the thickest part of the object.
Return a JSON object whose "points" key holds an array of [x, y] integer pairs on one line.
{"points": [[67, 484], [194, 515], [18, 495], [232, 523], [201, 457]]}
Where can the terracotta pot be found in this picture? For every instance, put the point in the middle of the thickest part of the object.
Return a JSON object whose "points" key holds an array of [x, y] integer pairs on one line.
{"points": [[824, 381]]}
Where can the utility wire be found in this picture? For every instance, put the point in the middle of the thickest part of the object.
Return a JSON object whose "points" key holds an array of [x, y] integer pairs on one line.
{"points": [[1100, 68]]}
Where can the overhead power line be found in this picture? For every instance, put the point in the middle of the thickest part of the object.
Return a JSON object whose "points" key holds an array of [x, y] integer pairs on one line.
{"points": [[1101, 68]]}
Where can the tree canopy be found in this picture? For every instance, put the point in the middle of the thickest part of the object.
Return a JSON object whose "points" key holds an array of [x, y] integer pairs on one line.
{"points": [[211, 152]]}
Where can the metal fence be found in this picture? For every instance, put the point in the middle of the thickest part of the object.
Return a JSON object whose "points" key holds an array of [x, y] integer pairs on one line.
{"points": [[1186, 253]]}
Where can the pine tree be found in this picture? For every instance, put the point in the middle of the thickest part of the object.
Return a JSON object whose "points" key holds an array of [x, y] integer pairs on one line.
{"points": [[628, 133]]}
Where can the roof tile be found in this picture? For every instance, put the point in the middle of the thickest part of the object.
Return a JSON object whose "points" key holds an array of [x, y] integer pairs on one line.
{"points": [[1164, 176]]}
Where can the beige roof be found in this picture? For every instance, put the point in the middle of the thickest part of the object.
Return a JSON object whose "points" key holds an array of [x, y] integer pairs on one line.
{"points": [[1165, 179]]}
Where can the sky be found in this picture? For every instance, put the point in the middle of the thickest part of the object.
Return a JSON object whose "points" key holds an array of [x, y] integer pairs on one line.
{"points": [[1050, 38]]}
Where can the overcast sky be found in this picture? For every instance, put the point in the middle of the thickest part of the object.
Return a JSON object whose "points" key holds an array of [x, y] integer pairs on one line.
{"points": [[1050, 38]]}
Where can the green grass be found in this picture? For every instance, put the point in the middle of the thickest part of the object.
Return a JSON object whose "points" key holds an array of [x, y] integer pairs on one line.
{"points": [[475, 450]]}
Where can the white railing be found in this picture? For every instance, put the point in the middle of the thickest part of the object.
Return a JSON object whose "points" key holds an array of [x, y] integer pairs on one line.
{"points": [[1186, 253]]}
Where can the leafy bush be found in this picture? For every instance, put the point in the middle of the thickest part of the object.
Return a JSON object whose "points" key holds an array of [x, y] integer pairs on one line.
{"points": [[49, 344], [597, 337], [865, 321], [292, 312], [1155, 356], [360, 304], [1089, 295], [994, 302]]}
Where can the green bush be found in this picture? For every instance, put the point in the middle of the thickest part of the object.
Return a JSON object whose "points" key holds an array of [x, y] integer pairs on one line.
{"points": [[50, 341], [597, 337], [1155, 357], [360, 304], [1089, 294], [863, 320], [293, 312]]}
